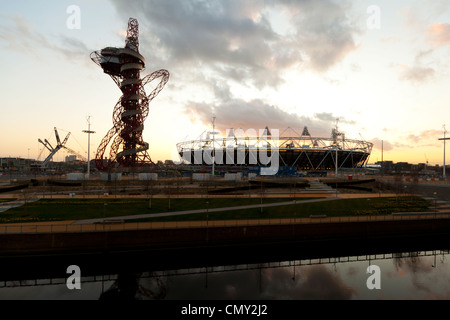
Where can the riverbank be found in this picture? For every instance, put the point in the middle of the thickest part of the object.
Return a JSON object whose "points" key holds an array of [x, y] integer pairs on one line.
{"points": [[161, 244], [30, 256], [217, 234]]}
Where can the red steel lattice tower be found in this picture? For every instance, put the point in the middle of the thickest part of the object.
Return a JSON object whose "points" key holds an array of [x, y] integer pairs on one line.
{"points": [[127, 149]]}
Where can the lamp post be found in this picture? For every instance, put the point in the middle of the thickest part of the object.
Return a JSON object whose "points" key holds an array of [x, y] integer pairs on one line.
{"points": [[336, 134], [382, 160], [213, 147], [336, 160], [336, 167], [89, 132], [443, 139], [207, 221]]}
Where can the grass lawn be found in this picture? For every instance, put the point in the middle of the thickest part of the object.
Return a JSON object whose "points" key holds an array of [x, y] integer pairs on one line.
{"points": [[76, 209], [335, 208]]}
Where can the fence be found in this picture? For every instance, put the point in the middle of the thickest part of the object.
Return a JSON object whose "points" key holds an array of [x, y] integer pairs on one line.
{"points": [[119, 225]]}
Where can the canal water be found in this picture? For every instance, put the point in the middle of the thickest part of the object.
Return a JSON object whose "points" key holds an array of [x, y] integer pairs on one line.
{"points": [[409, 275]]}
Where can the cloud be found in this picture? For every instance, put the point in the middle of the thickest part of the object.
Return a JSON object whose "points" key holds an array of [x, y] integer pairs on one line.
{"points": [[415, 267], [424, 135], [238, 113], [418, 16], [215, 35], [236, 40], [256, 114], [323, 31], [425, 138], [329, 117], [311, 282], [72, 47], [420, 21], [382, 144], [234, 112], [215, 47], [20, 37], [439, 33], [23, 38], [420, 71], [417, 74]]}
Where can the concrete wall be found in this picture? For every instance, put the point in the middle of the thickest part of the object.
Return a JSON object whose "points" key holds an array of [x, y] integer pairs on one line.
{"points": [[233, 176], [148, 176], [201, 176], [110, 176], [155, 239], [75, 176]]}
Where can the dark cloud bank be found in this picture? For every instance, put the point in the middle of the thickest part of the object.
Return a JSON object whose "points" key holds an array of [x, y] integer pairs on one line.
{"points": [[235, 42]]}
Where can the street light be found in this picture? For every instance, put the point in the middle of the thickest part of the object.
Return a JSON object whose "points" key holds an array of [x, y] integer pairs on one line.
{"points": [[213, 147], [29, 162], [207, 219], [443, 139], [336, 134], [89, 132]]}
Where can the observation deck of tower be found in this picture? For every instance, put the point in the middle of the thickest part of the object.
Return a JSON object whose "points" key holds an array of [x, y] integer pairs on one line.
{"points": [[123, 65]]}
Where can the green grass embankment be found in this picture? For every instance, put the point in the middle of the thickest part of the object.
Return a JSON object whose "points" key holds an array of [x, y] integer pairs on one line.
{"points": [[78, 209], [336, 208]]}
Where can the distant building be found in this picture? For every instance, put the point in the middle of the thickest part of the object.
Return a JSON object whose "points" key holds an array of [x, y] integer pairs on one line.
{"points": [[71, 158], [386, 166], [405, 168], [13, 163]]}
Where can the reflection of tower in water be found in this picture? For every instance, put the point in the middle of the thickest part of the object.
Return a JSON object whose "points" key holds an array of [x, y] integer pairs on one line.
{"points": [[129, 286]]}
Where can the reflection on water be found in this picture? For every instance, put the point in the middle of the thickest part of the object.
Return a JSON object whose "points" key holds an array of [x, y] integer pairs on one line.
{"points": [[129, 286], [419, 275]]}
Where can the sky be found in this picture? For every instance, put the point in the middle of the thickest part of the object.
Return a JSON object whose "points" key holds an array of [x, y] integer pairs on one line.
{"points": [[377, 69]]}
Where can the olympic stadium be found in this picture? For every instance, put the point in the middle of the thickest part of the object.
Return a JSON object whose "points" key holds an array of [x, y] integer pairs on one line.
{"points": [[285, 149]]}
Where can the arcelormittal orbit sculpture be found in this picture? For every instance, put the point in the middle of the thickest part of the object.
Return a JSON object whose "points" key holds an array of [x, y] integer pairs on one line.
{"points": [[124, 65]]}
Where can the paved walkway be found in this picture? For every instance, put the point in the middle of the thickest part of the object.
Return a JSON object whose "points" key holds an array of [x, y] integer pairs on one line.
{"points": [[14, 204]]}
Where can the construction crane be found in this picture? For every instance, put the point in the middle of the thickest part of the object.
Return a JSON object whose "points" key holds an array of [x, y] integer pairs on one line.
{"points": [[59, 145]]}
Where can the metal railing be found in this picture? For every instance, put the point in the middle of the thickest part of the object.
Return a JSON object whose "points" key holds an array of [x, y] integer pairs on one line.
{"points": [[120, 225]]}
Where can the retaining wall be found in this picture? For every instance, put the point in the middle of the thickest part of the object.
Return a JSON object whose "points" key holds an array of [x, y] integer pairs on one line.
{"points": [[161, 239]]}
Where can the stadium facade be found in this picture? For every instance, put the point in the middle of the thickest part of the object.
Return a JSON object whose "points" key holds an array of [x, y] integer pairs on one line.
{"points": [[271, 148]]}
